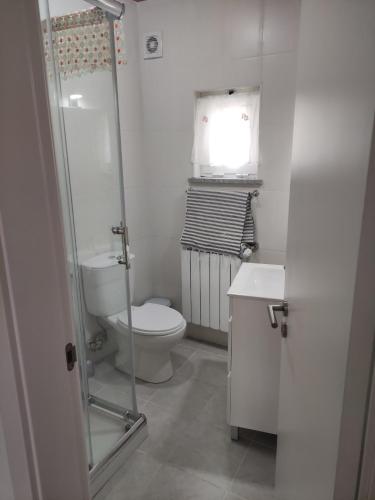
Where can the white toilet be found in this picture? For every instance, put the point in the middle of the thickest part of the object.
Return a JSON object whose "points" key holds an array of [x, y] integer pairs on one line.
{"points": [[157, 328]]}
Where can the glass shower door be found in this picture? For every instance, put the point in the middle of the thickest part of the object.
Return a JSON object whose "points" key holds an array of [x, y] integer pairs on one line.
{"points": [[81, 69]]}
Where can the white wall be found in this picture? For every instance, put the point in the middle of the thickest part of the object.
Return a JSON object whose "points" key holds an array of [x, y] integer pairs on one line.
{"points": [[215, 44]]}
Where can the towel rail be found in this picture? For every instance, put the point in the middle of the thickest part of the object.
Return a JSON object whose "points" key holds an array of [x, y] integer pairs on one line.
{"points": [[254, 194]]}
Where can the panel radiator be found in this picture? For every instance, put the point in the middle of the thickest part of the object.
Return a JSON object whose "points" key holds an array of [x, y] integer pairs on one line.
{"points": [[206, 278]]}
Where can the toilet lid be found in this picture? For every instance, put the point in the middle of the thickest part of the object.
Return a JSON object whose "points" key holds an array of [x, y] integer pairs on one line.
{"points": [[153, 319]]}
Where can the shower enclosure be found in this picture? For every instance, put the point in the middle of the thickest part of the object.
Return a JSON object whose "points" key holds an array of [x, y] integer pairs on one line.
{"points": [[83, 47]]}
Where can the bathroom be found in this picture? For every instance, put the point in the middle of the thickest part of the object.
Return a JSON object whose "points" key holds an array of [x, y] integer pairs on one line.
{"points": [[187, 380]]}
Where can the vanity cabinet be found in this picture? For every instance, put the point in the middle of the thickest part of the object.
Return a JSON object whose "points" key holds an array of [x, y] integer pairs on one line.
{"points": [[254, 348]]}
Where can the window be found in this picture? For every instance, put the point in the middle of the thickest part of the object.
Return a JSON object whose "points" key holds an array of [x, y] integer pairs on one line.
{"points": [[226, 133]]}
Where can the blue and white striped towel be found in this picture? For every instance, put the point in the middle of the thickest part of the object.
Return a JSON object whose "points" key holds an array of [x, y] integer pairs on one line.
{"points": [[218, 221]]}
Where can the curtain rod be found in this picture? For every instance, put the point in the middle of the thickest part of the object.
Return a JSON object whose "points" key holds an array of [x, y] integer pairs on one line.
{"points": [[230, 91]]}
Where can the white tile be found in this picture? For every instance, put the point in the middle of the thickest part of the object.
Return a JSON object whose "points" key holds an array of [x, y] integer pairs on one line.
{"points": [[271, 219], [138, 212], [242, 73], [130, 97], [168, 95], [168, 158], [168, 211], [142, 268], [276, 141], [167, 272], [209, 28], [223, 73], [281, 23], [157, 75], [134, 171], [278, 92], [263, 256], [242, 27]]}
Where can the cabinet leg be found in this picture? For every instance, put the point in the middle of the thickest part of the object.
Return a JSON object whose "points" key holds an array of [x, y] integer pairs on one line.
{"points": [[234, 433]]}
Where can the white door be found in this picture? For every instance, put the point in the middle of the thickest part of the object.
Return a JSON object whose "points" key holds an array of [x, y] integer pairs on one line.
{"points": [[40, 403], [333, 128]]}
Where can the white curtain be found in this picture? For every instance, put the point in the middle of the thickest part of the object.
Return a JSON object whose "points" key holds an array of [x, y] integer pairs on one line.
{"points": [[226, 133]]}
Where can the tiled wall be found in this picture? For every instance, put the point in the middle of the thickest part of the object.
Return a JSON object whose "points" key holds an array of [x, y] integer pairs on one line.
{"points": [[208, 44], [213, 44]]}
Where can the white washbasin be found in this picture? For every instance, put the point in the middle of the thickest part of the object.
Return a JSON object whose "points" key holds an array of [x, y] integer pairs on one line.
{"points": [[263, 281]]}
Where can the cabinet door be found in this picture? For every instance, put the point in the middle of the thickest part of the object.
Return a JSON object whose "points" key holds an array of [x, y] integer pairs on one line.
{"points": [[255, 365]]}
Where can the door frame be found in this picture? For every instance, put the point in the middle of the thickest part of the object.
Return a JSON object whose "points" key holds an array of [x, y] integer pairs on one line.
{"points": [[353, 474], [43, 427]]}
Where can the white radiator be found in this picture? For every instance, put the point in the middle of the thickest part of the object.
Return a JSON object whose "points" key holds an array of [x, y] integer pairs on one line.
{"points": [[206, 278]]}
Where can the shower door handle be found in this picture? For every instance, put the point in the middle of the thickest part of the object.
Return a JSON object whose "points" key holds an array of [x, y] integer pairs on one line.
{"points": [[122, 231]]}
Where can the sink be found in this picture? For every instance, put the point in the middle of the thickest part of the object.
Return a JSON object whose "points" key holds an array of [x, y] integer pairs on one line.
{"points": [[263, 281]]}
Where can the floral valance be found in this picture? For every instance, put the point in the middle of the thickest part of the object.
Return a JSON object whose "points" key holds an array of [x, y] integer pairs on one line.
{"points": [[81, 43]]}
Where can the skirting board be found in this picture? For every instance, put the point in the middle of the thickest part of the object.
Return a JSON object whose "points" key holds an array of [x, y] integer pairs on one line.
{"points": [[205, 334]]}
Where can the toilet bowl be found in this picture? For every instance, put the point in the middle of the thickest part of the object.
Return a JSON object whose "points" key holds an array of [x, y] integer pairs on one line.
{"points": [[156, 328]]}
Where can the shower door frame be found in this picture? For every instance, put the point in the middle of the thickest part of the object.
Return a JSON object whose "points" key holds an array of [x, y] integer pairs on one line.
{"points": [[135, 423]]}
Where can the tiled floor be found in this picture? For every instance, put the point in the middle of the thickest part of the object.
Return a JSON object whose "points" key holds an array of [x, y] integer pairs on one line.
{"points": [[188, 454]]}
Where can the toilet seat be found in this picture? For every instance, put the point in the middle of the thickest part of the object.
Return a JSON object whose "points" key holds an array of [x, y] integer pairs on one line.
{"points": [[151, 320]]}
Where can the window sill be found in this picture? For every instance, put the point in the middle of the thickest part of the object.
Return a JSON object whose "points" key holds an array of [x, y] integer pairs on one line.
{"points": [[226, 181]]}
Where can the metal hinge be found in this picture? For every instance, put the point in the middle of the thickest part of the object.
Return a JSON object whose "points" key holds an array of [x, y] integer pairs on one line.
{"points": [[71, 356], [122, 231]]}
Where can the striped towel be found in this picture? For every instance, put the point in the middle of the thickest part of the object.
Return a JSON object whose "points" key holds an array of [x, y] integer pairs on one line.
{"points": [[218, 221]]}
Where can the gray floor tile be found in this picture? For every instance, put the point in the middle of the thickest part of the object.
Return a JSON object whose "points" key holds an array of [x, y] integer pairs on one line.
{"points": [[164, 428], [180, 354], [209, 453], [204, 346], [175, 484], [185, 396], [108, 376], [121, 397], [188, 453], [255, 492], [215, 410], [131, 482], [94, 386], [232, 496], [205, 366], [256, 474]]}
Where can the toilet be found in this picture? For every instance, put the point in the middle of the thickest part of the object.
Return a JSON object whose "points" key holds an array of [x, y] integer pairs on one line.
{"points": [[157, 328]]}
